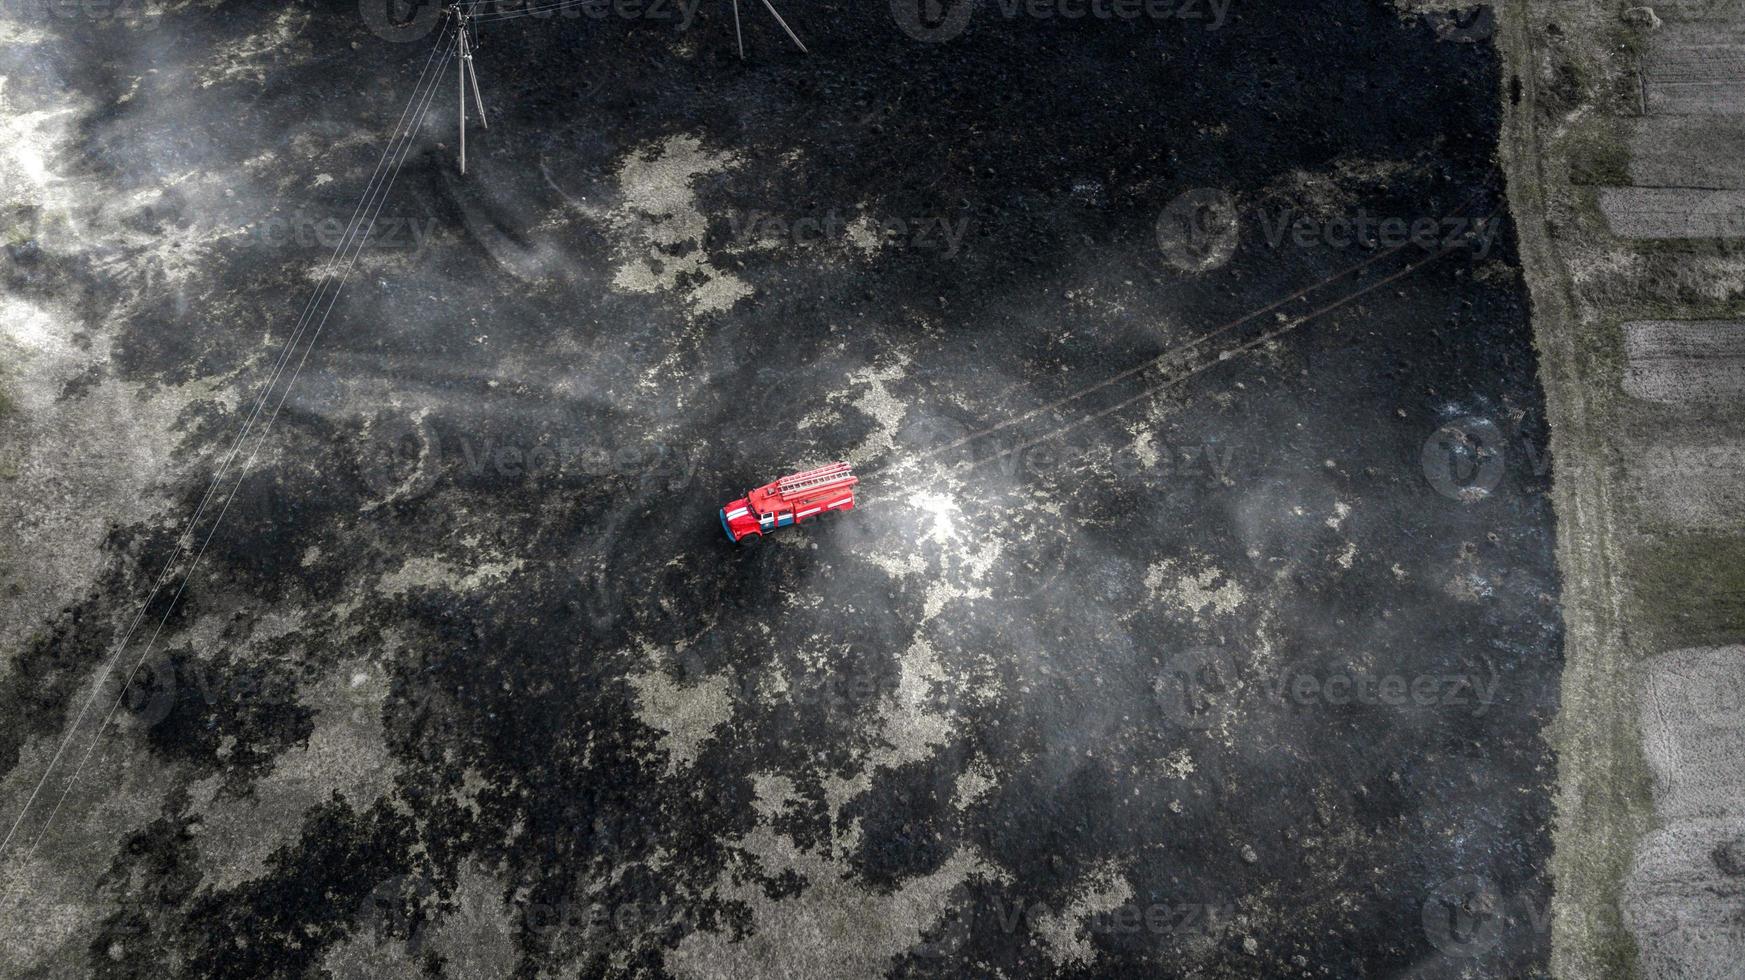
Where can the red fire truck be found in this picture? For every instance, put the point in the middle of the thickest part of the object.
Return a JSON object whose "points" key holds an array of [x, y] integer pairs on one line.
{"points": [[790, 500]]}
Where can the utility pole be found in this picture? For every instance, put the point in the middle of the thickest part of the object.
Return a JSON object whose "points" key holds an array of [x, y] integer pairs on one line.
{"points": [[467, 77]]}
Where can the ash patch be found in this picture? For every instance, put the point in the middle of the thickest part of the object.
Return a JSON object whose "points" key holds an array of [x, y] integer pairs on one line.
{"points": [[590, 737]]}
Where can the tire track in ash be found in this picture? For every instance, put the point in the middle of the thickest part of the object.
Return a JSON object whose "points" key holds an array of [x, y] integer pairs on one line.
{"points": [[1178, 365]]}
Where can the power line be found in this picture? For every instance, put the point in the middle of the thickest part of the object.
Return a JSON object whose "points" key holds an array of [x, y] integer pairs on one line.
{"points": [[1163, 358], [363, 217], [1170, 381]]}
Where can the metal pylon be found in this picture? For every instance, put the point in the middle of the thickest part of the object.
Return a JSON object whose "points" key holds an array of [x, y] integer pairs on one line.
{"points": [[739, 35]]}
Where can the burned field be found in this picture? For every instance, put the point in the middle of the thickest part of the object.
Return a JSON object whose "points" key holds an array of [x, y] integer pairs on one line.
{"points": [[1198, 616]]}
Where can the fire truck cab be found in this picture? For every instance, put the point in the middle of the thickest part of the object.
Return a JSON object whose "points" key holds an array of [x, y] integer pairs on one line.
{"points": [[790, 500]]}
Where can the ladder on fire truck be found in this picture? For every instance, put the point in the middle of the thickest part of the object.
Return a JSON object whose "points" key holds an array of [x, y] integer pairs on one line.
{"points": [[810, 481]]}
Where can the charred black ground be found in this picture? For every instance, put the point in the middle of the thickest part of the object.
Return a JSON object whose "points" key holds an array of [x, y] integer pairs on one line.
{"points": [[1074, 711]]}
